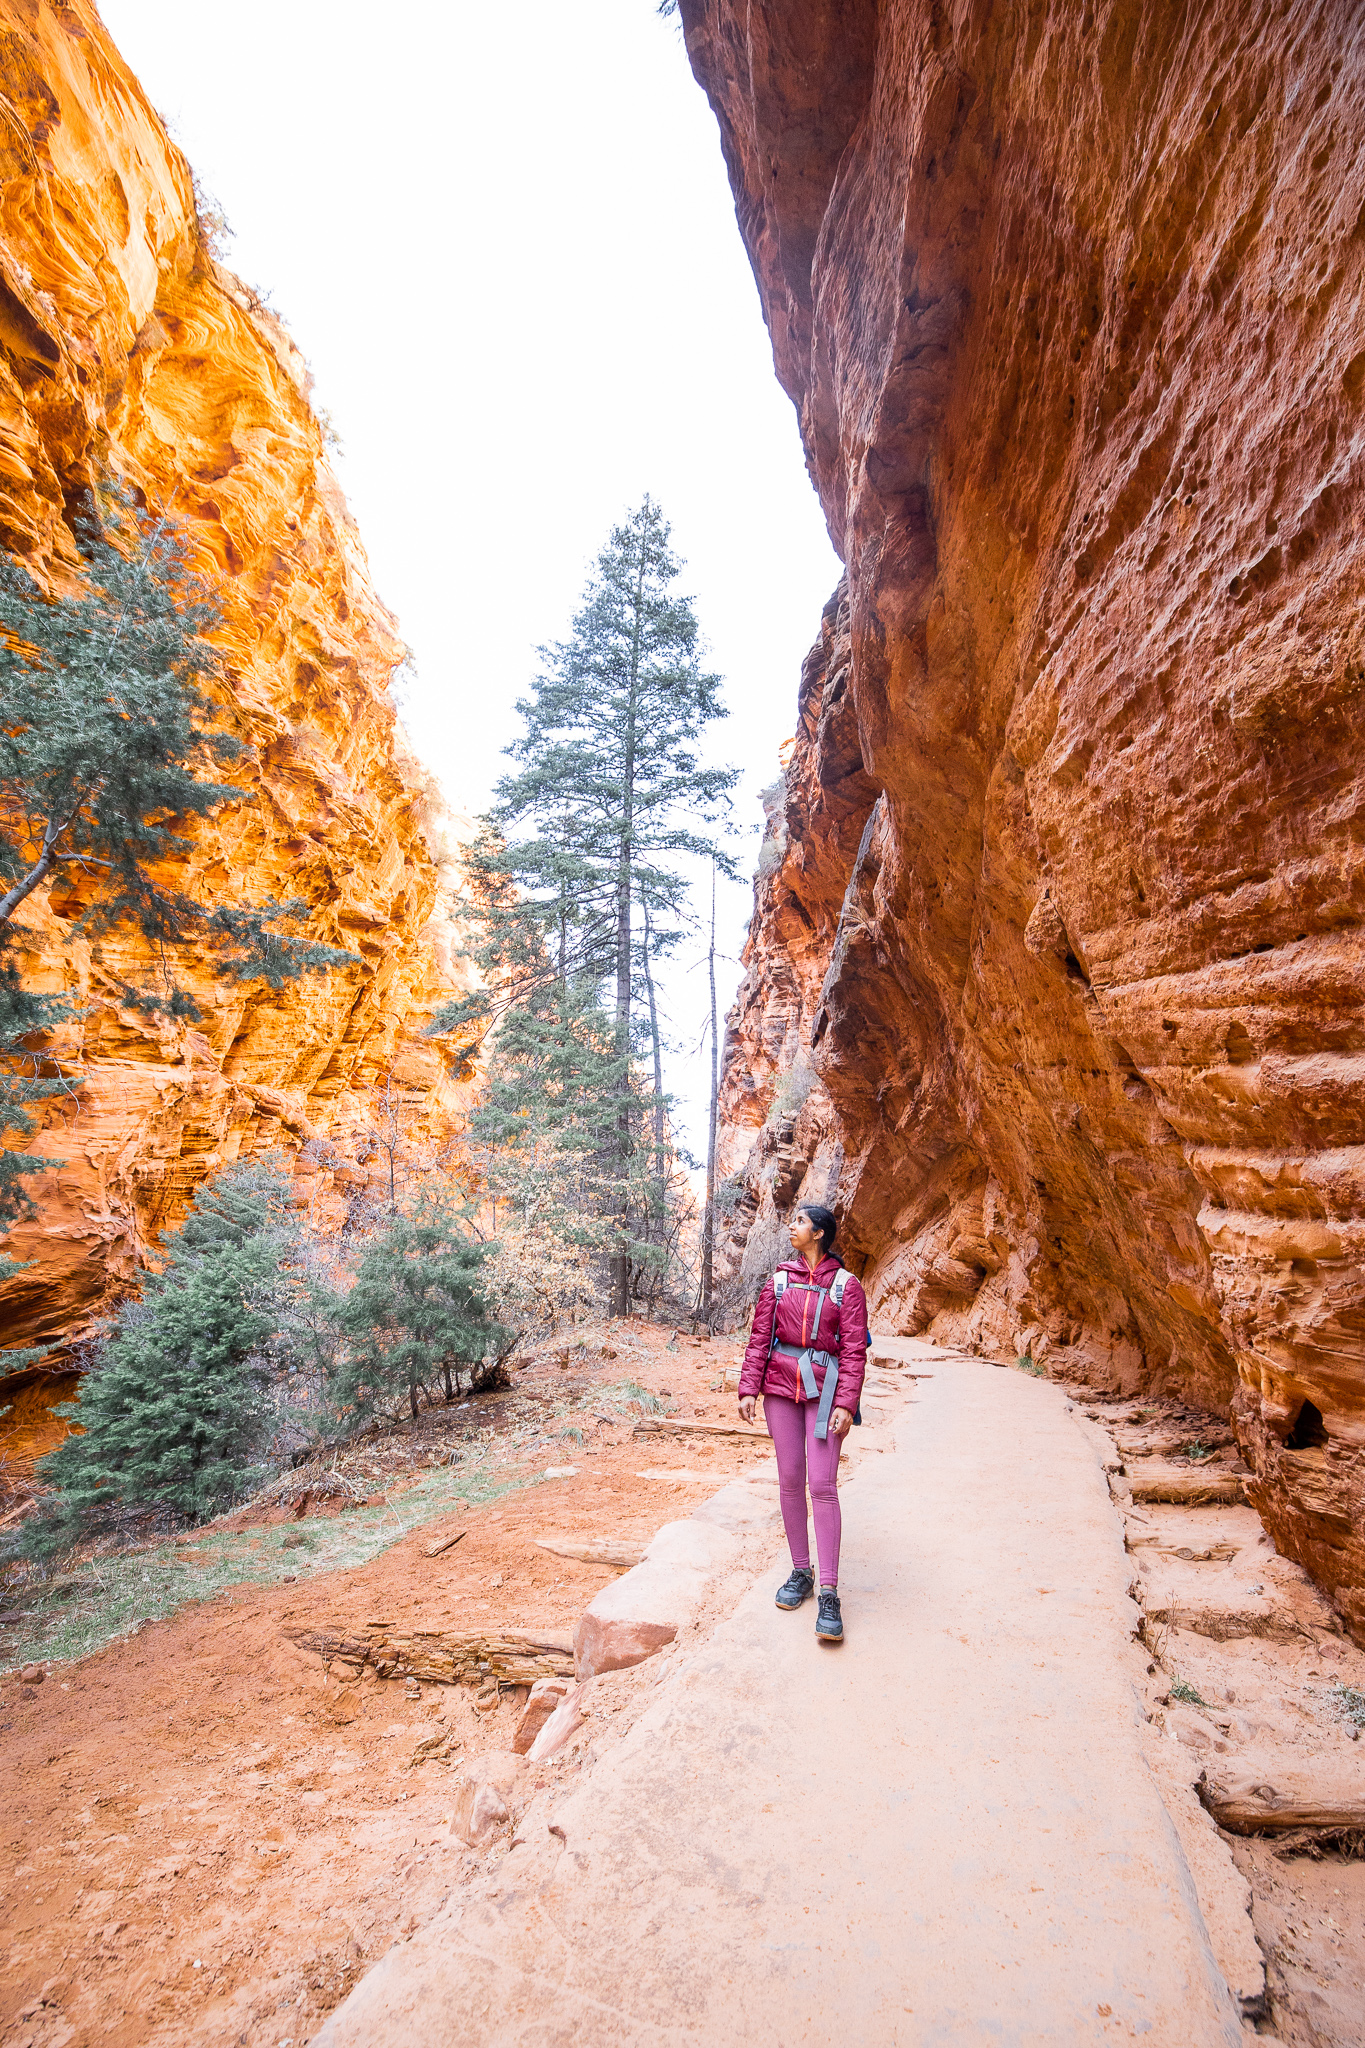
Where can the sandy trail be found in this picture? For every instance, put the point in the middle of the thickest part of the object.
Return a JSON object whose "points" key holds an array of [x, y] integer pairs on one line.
{"points": [[943, 1831]]}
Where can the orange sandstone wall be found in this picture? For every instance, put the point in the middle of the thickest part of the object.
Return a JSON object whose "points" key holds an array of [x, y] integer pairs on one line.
{"points": [[124, 345], [1063, 901]]}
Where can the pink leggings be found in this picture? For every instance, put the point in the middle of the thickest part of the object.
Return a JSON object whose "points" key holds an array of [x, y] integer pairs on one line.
{"points": [[791, 1425]]}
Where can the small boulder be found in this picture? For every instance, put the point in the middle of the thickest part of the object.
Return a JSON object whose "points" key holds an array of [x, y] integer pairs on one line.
{"points": [[546, 1696], [32, 1674], [563, 1724], [485, 1795]]}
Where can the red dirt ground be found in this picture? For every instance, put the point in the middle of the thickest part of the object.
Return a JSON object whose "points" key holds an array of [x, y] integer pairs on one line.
{"points": [[208, 1838]]}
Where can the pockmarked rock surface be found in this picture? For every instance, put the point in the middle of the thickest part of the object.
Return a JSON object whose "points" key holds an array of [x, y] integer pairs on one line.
{"points": [[1055, 978], [125, 346], [945, 1829]]}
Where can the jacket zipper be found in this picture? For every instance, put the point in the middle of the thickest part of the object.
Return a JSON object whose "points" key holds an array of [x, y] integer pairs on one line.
{"points": [[807, 1290]]}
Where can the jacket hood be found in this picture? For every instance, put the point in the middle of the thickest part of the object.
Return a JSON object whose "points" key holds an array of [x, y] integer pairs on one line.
{"points": [[824, 1272]]}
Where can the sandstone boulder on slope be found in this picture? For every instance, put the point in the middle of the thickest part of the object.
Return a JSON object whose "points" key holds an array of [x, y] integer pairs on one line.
{"points": [[644, 1609]]}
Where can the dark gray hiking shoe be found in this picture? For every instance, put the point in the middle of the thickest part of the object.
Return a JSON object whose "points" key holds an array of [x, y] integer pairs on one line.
{"points": [[797, 1588], [829, 1623]]}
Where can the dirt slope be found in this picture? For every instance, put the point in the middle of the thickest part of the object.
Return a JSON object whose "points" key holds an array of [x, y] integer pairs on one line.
{"points": [[206, 1793]]}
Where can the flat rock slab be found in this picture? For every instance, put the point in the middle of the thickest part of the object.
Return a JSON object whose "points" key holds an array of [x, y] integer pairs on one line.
{"points": [[943, 1832], [613, 1550], [644, 1609], [1270, 1794]]}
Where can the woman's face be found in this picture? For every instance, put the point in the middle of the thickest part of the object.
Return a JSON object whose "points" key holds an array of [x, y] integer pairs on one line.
{"points": [[804, 1235]]}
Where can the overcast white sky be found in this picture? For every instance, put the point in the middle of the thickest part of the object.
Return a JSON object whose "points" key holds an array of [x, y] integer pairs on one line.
{"points": [[504, 239]]}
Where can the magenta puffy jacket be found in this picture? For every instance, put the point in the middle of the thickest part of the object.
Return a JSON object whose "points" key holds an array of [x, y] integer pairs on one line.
{"points": [[843, 1332]]}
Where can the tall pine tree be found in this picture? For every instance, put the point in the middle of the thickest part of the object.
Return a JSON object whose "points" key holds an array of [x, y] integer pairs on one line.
{"points": [[610, 792]]}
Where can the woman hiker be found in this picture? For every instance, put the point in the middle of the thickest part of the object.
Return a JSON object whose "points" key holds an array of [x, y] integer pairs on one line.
{"points": [[807, 1357]]}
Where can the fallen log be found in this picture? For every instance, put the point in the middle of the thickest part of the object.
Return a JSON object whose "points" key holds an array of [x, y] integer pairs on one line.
{"points": [[510, 1656], [1196, 1487], [1212, 1553], [446, 1543], [593, 1549], [652, 1426], [1223, 1618], [1251, 1796]]}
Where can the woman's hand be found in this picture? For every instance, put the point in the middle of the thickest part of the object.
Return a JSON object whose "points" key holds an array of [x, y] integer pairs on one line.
{"points": [[746, 1408], [841, 1422]]}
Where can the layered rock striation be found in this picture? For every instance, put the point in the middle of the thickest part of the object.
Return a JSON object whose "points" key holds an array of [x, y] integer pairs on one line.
{"points": [[126, 347], [1063, 900]]}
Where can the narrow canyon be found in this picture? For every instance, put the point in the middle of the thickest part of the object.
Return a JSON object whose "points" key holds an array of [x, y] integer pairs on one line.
{"points": [[1054, 979], [480, 1721]]}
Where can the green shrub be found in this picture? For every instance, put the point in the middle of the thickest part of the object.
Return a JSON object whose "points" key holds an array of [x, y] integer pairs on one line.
{"points": [[1349, 1702], [416, 1312], [178, 1405]]}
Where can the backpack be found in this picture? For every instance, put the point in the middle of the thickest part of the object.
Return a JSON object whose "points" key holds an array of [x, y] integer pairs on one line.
{"points": [[835, 1293]]}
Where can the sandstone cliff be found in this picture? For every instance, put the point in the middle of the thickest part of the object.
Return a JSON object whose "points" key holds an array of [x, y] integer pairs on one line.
{"points": [[125, 346], [1063, 905]]}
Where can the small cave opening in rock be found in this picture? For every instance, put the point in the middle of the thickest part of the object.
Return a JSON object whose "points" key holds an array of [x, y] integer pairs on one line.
{"points": [[1240, 1050], [1309, 1431]]}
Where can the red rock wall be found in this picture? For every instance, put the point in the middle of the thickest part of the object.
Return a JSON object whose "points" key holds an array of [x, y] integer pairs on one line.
{"points": [[1071, 304], [123, 344]]}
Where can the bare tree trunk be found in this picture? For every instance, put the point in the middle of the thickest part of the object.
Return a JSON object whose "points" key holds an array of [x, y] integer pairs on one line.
{"points": [[39, 872], [625, 878], [658, 1068], [387, 1132], [708, 1234]]}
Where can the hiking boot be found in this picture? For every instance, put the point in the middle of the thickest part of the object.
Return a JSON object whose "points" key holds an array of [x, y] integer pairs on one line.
{"points": [[797, 1588], [829, 1623]]}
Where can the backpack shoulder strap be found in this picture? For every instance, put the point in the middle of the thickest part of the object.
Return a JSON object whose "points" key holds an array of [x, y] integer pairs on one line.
{"points": [[836, 1292], [779, 1283]]}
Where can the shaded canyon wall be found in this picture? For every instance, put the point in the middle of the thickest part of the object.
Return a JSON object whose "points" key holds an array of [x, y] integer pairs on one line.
{"points": [[125, 346], [1055, 980]]}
